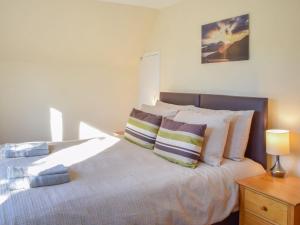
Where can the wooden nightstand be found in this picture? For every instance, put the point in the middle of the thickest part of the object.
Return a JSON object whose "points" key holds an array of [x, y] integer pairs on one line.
{"points": [[265, 200]]}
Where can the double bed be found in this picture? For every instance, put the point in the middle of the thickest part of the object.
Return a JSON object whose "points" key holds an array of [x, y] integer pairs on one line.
{"points": [[116, 182]]}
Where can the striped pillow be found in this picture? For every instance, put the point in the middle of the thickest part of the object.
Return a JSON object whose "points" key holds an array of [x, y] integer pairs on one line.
{"points": [[180, 142], [142, 128]]}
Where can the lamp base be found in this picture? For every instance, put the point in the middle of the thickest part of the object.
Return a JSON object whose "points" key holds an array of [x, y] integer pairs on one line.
{"points": [[277, 170]]}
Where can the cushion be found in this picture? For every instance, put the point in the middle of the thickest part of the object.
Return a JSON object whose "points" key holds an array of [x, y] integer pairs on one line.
{"points": [[238, 134], [160, 111], [142, 128], [173, 106], [215, 135], [180, 142]]}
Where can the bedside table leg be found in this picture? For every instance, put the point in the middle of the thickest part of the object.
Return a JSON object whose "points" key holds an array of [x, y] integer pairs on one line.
{"points": [[241, 203]]}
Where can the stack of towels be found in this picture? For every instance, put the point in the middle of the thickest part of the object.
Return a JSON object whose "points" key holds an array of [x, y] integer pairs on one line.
{"points": [[29, 149], [34, 176]]}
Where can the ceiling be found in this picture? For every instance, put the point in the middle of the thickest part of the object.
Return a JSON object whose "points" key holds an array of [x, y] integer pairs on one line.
{"points": [[157, 4]]}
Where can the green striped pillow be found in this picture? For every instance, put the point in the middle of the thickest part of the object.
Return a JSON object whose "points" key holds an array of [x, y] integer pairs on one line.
{"points": [[180, 142], [142, 128]]}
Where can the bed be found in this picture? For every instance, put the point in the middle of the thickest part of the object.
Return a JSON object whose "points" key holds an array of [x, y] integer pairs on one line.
{"points": [[116, 182], [256, 148]]}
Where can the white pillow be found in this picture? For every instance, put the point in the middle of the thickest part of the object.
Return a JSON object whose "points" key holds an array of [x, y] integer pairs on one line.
{"points": [[159, 111], [238, 134], [173, 106], [215, 134]]}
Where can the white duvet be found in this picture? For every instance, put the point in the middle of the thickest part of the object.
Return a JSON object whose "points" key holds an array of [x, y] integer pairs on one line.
{"points": [[118, 183]]}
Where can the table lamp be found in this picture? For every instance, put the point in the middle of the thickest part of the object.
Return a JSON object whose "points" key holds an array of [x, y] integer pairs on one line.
{"points": [[278, 143]]}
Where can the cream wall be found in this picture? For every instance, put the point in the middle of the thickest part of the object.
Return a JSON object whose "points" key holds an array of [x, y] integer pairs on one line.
{"points": [[273, 69], [80, 57]]}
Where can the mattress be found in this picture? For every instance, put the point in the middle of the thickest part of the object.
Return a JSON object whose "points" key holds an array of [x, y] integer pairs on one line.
{"points": [[114, 182]]}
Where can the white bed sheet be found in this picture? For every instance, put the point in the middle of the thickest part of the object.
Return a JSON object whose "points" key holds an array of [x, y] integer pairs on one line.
{"points": [[115, 182]]}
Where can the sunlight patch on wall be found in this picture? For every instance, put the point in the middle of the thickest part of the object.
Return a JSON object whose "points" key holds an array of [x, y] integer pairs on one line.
{"points": [[87, 131], [56, 125]]}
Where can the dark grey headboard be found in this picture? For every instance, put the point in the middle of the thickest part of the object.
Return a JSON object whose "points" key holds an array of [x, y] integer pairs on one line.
{"points": [[256, 148]]}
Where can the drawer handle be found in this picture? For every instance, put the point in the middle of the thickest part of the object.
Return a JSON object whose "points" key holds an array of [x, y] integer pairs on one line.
{"points": [[264, 208]]}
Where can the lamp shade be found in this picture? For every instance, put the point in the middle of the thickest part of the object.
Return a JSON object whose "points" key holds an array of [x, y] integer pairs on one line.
{"points": [[278, 142]]}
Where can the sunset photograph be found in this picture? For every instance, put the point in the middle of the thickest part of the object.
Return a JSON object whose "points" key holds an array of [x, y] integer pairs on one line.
{"points": [[226, 40]]}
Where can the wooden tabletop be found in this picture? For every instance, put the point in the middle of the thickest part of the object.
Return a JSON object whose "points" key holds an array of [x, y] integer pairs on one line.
{"points": [[285, 189]]}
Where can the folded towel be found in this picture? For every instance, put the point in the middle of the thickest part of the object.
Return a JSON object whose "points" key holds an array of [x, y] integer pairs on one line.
{"points": [[26, 146], [38, 181], [25, 153], [40, 170], [25, 149]]}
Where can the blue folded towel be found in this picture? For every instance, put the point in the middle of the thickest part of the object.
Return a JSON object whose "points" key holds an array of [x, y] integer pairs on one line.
{"points": [[29, 149], [47, 180], [39, 170], [38, 181]]}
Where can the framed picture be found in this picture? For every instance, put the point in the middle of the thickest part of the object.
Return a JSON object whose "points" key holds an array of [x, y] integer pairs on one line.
{"points": [[226, 40]]}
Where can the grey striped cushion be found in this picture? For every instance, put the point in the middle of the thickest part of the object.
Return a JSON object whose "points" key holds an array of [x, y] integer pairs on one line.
{"points": [[180, 142], [142, 128]]}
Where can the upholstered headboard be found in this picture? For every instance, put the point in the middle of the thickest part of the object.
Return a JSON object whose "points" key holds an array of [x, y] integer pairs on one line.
{"points": [[256, 148]]}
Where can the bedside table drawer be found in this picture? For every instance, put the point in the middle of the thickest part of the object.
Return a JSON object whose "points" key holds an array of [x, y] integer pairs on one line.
{"points": [[265, 207], [250, 219]]}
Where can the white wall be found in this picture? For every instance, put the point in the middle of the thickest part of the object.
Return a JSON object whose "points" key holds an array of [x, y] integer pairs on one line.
{"points": [[80, 57], [273, 69]]}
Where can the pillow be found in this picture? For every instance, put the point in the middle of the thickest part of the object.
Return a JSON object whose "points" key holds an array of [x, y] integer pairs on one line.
{"points": [[215, 135], [173, 106], [180, 142], [238, 134], [142, 128], [160, 111]]}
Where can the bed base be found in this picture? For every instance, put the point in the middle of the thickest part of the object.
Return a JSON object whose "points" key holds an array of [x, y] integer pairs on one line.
{"points": [[233, 219]]}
